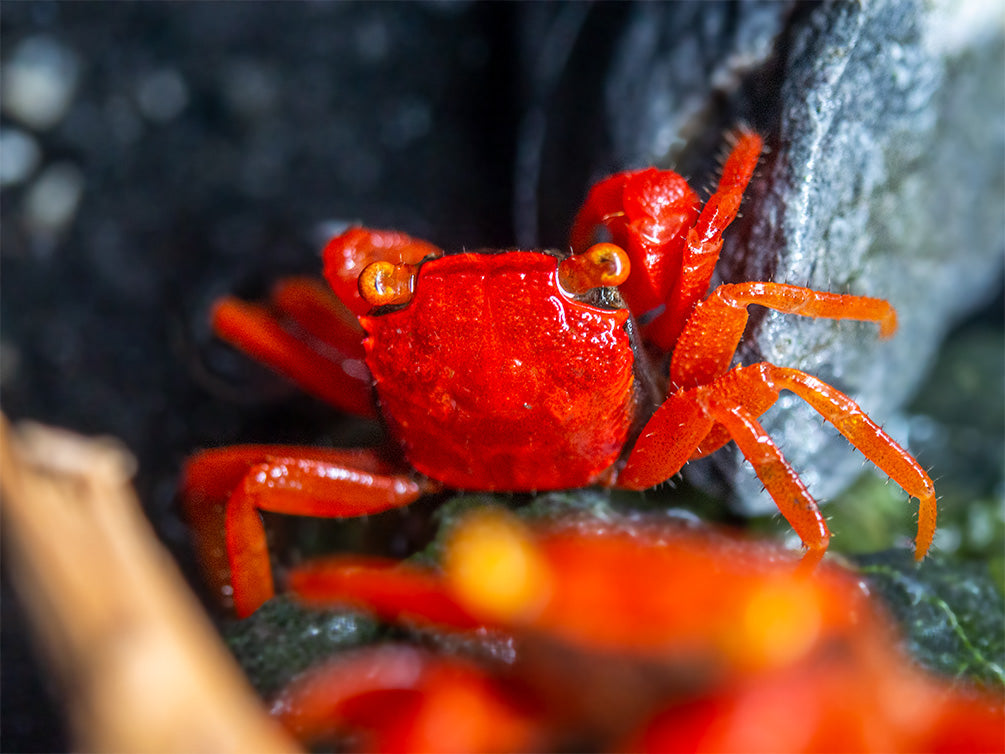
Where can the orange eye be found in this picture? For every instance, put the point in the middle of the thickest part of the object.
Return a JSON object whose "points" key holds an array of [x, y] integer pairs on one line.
{"points": [[384, 283], [601, 265]]}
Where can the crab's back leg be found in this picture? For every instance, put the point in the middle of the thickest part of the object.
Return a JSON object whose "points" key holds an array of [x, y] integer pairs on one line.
{"points": [[732, 402], [260, 333], [704, 240], [674, 433], [781, 481], [709, 339], [312, 305], [236, 483], [868, 437]]}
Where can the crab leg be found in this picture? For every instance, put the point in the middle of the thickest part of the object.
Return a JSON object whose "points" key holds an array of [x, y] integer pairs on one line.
{"points": [[304, 481], [732, 403], [256, 331], [312, 305], [712, 333], [704, 240], [392, 590], [794, 501], [649, 464], [869, 438]]}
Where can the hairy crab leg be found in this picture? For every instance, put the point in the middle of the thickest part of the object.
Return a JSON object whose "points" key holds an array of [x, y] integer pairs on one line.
{"points": [[669, 439], [712, 333], [256, 331], [704, 240], [658, 455], [869, 438], [301, 481], [794, 501], [732, 402]]}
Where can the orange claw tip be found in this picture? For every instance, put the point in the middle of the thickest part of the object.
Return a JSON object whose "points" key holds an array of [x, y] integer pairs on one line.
{"points": [[927, 513], [888, 324], [384, 283], [601, 265]]}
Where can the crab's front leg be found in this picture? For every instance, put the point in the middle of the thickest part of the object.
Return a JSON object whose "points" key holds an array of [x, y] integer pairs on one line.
{"points": [[673, 247], [711, 334], [225, 489]]}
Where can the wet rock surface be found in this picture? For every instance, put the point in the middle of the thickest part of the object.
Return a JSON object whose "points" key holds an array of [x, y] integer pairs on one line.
{"points": [[166, 154], [887, 181]]}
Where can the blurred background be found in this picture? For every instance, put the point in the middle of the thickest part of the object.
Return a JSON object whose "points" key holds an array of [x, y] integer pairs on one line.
{"points": [[156, 156]]}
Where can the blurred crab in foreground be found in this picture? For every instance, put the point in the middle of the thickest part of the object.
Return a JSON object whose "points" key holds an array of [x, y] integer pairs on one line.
{"points": [[584, 634], [529, 370]]}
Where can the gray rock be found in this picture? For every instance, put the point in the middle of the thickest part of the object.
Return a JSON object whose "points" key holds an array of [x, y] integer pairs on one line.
{"points": [[887, 179]]}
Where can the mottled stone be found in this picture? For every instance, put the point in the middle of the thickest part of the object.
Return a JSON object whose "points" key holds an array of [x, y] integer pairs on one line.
{"points": [[884, 175], [887, 178]]}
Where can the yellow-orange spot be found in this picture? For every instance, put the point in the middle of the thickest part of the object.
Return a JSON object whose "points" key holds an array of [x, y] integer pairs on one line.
{"points": [[494, 568], [601, 265], [888, 324], [778, 623], [385, 283]]}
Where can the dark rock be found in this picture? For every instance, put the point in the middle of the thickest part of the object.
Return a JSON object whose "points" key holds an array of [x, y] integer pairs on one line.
{"points": [[951, 615]]}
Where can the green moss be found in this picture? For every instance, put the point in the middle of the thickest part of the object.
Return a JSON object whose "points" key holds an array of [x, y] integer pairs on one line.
{"points": [[283, 639], [951, 612]]}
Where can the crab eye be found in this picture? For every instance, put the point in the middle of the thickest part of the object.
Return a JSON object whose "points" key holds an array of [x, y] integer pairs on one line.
{"points": [[385, 283], [601, 265]]}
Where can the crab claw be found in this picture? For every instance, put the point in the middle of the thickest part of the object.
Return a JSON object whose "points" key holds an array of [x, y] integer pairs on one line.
{"points": [[648, 213]]}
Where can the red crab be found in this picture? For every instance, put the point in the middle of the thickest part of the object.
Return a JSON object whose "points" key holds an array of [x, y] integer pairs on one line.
{"points": [[626, 635], [530, 370]]}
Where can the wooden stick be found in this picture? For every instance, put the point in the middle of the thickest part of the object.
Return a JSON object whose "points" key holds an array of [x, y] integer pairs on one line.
{"points": [[139, 662]]}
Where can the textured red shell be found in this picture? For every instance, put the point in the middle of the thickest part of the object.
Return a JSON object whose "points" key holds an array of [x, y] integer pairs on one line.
{"points": [[464, 388]]}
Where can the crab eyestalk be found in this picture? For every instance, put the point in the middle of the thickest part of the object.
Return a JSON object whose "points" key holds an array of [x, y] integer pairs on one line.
{"points": [[385, 283], [601, 265]]}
